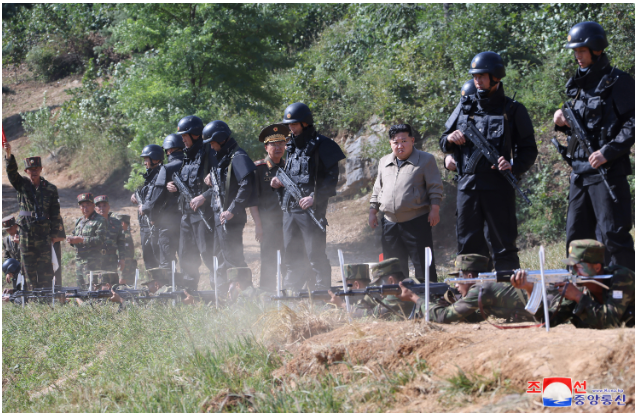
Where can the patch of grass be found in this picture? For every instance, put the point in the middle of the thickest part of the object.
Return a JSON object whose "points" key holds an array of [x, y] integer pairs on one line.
{"points": [[468, 384]]}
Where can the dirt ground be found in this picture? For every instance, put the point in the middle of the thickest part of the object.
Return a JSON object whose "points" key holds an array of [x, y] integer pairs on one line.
{"points": [[605, 359]]}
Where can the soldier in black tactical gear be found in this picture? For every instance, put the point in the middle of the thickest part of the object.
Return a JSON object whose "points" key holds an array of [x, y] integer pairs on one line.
{"points": [[604, 98], [312, 165], [196, 242], [153, 157], [484, 195], [162, 206], [237, 192]]}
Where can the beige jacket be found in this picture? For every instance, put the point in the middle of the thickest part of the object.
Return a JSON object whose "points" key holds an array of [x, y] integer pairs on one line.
{"points": [[408, 192]]}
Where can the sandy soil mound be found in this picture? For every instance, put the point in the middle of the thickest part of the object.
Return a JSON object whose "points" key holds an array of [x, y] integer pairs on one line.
{"points": [[606, 359]]}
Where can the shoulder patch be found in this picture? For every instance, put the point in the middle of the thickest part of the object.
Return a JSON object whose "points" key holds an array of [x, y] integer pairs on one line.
{"points": [[259, 162]]}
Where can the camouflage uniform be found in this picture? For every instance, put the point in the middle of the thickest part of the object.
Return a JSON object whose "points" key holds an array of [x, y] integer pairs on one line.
{"points": [[39, 221], [498, 300], [10, 249], [617, 304], [114, 243], [249, 294], [90, 253], [130, 266], [362, 307], [390, 307]]}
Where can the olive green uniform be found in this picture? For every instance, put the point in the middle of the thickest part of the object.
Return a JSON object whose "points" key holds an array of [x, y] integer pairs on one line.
{"points": [[114, 243], [90, 253], [39, 221]]}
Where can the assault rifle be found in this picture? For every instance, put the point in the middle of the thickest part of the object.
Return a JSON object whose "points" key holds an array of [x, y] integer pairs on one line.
{"points": [[188, 196], [306, 295], [551, 276], [216, 190], [206, 296], [46, 294], [297, 194], [140, 202], [578, 132], [436, 289], [491, 154]]}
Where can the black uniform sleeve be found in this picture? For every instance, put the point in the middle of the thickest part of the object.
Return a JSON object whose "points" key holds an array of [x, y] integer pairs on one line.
{"points": [[450, 127], [622, 142], [523, 141], [327, 181], [245, 195]]}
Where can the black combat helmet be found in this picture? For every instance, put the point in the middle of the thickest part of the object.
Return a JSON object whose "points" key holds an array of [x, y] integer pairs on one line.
{"points": [[488, 62], [298, 112], [589, 34], [217, 131], [469, 88], [190, 125], [173, 141], [153, 151], [11, 266]]}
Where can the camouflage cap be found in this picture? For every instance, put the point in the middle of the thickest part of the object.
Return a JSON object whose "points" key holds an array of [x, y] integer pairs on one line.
{"points": [[273, 133], [101, 198], [242, 274], [123, 217], [8, 222], [85, 197], [472, 263], [357, 272], [385, 268], [32, 162], [585, 250], [162, 275]]}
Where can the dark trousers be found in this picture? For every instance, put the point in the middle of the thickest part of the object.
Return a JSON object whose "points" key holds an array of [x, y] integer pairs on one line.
{"points": [[229, 248], [167, 246], [149, 247], [196, 242], [409, 239], [271, 241], [299, 229], [591, 206], [497, 209]]}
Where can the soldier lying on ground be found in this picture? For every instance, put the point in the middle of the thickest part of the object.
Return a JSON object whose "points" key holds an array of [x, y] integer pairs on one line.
{"points": [[499, 300], [593, 307], [240, 286]]}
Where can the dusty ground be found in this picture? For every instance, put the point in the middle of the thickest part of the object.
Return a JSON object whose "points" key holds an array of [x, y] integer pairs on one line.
{"points": [[606, 359]]}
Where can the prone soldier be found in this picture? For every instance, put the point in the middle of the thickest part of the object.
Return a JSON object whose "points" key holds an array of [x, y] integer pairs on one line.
{"points": [[88, 239], [162, 206], [484, 195], [196, 241], [39, 220], [241, 288], [593, 307], [312, 165], [496, 299], [235, 191], [114, 238], [358, 276], [603, 97]]}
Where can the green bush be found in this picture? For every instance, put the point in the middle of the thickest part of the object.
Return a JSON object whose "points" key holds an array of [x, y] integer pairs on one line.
{"points": [[51, 63]]}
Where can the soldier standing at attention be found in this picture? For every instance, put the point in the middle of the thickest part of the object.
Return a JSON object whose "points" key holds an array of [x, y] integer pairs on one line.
{"points": [[604, 98], [10, 243], [196, 242], [408, 190], [39, 220], [128, 273], [88, 238], [160, 206], [484, 195], [115, 238], [312, 165], [234, 172], [153, 158]]}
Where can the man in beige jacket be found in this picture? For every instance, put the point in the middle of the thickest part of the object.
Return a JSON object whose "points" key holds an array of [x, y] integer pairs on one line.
{"points": [[408, 190]]}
